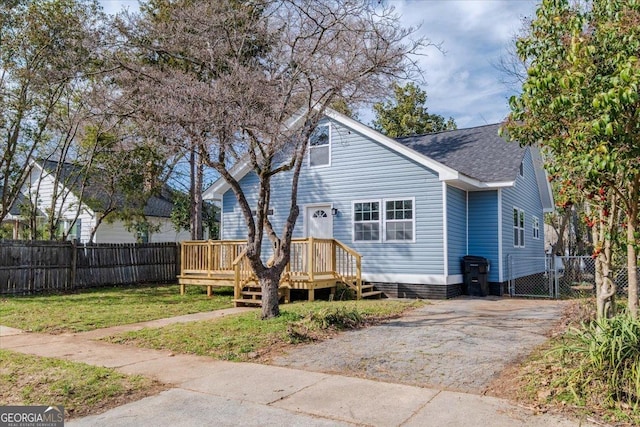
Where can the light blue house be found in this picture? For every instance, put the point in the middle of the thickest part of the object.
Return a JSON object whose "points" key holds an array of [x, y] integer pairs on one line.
{"points": [[414, 206]]}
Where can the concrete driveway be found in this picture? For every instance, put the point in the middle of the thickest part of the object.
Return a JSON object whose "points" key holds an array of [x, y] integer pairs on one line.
{"points": [[460, 344]]}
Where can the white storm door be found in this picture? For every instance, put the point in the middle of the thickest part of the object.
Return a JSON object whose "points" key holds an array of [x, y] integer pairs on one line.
{"points": [[319, 221]]}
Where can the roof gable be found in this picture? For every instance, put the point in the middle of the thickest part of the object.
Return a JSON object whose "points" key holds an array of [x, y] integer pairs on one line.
{"points": [[474, 159], [96, 197]]}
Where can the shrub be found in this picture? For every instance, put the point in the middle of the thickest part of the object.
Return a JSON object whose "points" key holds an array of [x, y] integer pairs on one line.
{"points": [[605, 356], [311, 326], [345, 293]]}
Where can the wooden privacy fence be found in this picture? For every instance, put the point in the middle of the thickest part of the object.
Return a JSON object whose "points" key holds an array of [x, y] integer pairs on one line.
{"points": [[37, 266]]}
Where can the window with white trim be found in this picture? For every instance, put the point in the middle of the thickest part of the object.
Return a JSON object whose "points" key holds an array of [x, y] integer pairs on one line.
{"points": [[366, 221], [518, 228], [320, 146], [536, 227], [399, 220]]}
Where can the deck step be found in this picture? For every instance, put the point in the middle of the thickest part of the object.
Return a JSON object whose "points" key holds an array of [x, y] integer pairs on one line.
{"points": [[242, 302], [369, 294], [253, 293]]}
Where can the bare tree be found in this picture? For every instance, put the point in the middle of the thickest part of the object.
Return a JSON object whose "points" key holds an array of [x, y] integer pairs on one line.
{"points": [[267, 71]]}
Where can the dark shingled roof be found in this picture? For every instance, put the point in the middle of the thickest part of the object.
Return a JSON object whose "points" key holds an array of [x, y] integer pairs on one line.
{"points": [[21, 200], [476, 152], [97, 197]]}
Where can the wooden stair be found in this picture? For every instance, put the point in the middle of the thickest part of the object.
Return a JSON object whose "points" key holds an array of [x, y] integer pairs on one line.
{"points": [[252, 296], [367, 289], [369, 292]]}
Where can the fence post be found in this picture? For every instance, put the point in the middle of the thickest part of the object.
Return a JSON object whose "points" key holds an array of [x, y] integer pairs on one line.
{"points": [[509, 269], [556, 278], [74, 262]]}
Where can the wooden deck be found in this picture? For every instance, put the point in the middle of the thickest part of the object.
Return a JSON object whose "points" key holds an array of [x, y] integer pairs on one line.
{"points": [[314, 264]]}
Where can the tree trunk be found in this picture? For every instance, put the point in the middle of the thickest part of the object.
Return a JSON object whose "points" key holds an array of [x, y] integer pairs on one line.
{"points": [[196, 177], [197, 199], [270, 282], [632, 266], [605, 286]]}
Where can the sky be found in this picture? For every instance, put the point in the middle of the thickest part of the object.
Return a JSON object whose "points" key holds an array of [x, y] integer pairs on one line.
{"points": [[461, 80]]}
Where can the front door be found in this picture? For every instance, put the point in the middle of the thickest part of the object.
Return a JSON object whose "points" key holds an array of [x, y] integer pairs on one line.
{"points": [[319, 221]]}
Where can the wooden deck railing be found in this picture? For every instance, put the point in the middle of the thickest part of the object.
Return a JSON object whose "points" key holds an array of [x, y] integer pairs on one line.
{"points": [[209, 257], [311, 259]]}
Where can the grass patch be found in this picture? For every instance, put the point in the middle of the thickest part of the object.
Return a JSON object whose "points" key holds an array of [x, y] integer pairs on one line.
{"points": [[244, 337], [591, 369], [105, 307], [81, 388]]}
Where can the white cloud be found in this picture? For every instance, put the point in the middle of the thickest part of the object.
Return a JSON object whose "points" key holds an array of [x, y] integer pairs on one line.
{"points": [[462, 82]]}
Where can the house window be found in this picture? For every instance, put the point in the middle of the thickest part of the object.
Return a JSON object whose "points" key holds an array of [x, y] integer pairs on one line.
{"points": [[399, 220], [518, 228], [72, 231], [536, 227], [522, 169], [366, 221], [320, 146]]}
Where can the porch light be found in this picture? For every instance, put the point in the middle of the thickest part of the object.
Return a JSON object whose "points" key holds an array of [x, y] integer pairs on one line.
{"points": [[334, 211]]}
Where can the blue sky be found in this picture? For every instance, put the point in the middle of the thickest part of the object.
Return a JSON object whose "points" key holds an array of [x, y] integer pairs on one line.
{"points": [[462, 82]]}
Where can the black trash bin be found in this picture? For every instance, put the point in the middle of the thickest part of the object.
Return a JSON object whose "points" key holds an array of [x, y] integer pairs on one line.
{"points": [[475, 270]]}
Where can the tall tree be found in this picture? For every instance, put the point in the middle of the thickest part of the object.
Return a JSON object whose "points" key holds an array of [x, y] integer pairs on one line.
{"points": [[581, 103], [47, 49], [407, 113], [258, 110]]}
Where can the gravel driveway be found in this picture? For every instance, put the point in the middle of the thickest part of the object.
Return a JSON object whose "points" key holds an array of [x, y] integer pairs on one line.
{"points": [[460, 344]]}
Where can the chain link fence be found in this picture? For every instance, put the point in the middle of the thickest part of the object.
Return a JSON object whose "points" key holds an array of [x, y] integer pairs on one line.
{"points": [[539, 285], [563, 277]]}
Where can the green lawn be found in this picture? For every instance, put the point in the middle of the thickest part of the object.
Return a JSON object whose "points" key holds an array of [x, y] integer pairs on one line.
{"points": [[101, 308], [243, 337], [82, 389]]}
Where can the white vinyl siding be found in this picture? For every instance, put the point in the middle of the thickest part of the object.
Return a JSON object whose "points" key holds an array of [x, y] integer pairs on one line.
{"points": [[366, 221], [518, 228], [320, 146]]}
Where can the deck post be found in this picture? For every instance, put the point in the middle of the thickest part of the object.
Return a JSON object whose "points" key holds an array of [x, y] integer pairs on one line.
{"points": [[237, 293], [334, 266], [359, 277], [209, 258], [311, 260], [183, 258]]}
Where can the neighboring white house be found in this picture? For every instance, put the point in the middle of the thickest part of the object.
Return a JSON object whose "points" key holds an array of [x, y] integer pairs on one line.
{"points": [[79, 218]]}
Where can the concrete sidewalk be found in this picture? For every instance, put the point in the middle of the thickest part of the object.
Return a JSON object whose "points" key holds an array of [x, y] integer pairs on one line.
{"points": [[210, 392]]}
